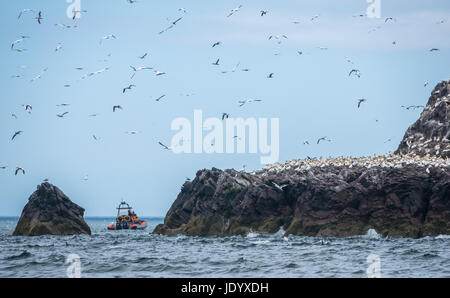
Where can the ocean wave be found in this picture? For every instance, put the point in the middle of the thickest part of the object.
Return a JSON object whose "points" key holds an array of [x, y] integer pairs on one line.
{"points": [[23, 255]]}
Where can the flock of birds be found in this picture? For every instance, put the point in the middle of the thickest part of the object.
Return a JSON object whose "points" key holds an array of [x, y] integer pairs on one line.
{"points": [[39, 17], [383, 161]]}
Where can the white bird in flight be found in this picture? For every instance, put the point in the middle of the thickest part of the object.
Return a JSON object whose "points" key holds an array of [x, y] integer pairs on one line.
{"points": [[243, 102], [234, 10], [24, 11], [110, 36], [139, 69]]}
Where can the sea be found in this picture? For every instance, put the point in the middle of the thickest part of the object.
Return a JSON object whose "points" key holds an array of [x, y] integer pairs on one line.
{"points": [[130, 254]]}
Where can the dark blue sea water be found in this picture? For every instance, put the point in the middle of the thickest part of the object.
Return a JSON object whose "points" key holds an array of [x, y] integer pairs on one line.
{"points": [[140, 254]]}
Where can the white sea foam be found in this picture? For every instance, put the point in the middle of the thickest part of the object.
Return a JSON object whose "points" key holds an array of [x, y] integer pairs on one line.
{"points": [[372, 234], [252, 235], [280, 232], [442, 237]]}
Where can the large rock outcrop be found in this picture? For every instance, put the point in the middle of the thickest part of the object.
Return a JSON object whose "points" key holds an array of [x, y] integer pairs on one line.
{"points": [[399, 195], [430, 134], [50, 212]]}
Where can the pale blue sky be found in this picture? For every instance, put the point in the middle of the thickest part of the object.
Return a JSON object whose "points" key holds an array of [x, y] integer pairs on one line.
{"points": [[311, 94]]}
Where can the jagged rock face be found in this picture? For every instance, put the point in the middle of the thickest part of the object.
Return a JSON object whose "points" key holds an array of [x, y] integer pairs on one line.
{"points": [[430, 134], [50, 212], [406, 199], [332, 202]]}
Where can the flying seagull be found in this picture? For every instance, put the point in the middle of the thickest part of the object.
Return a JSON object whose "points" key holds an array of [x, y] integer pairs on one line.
{"points": [[264, 12], [143, 56], [234, 10], [356, 72], [14, 43], [133, 132], [39, 17], [16, 134], [24, 11], [413, 107], [117, 107], [110, 36], [128, 88], [270, 76], [76, 12], [20, 50], [217, 43], [28, 108], [360, 101], [62, 115], [164, 146], [243, 102], [161, 97], [323, 139], [138, 69], [176, 21], [19, 169], [434, 50], [216, 63], [280, 187], [225, 116]]}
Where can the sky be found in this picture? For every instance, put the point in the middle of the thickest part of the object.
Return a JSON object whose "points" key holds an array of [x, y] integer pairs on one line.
{"points": [[311, 94]]}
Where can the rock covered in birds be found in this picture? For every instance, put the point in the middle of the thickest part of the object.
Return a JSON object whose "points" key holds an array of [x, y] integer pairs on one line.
{"points": [[332, 201], [406, 194], [50, 212], [430, 134]]}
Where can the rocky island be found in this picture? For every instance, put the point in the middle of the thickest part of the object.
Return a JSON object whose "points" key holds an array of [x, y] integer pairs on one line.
{"points": [[50, 212], [405, 194]]}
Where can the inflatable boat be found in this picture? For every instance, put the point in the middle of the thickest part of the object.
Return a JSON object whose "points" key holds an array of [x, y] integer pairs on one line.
{"points": [[127, 219]]}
